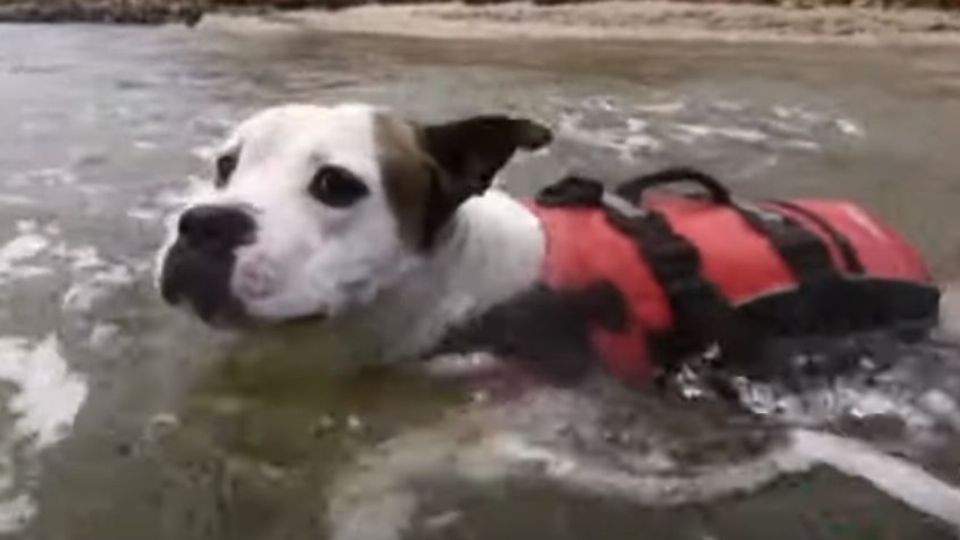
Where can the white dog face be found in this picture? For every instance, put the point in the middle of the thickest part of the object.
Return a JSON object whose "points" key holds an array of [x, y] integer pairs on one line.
{"points": [[319, 209]]}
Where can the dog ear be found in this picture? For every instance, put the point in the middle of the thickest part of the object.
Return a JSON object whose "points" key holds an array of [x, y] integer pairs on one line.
{"points": [[471, 151], [468, 153]]}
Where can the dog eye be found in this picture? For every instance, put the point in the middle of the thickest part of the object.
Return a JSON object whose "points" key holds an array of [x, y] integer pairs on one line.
{"points": [[337, 187], [225, 166]]}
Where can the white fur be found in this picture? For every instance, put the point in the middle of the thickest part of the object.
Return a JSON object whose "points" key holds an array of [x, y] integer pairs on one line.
{"points": [[351, 264], [494, 251]]}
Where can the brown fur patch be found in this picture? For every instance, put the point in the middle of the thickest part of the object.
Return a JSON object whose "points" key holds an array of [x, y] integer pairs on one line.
{"points": [[429, 171], [407, 176]]}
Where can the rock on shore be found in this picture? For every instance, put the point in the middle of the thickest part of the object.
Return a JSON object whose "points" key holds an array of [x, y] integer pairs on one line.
{"points": [[105, 11]]}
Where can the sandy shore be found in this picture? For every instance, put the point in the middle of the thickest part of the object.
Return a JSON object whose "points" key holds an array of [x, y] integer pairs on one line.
{"points": [[628, 20]]}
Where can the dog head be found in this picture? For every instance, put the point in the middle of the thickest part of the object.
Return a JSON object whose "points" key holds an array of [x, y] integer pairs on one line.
{"points": [[315, 210]]}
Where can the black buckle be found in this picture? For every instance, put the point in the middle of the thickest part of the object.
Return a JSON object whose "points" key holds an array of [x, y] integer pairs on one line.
{"points": [[572, 191]]}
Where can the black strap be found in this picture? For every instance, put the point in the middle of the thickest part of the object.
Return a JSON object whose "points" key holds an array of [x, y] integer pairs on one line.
{"points": [[804, 252], [850, 258], [633, 190], [699, 310], [702, 315]]}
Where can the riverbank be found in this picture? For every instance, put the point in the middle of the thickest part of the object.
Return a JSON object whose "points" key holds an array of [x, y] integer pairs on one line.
{"points": [[628, 20], [149, 12], [732, 20]]}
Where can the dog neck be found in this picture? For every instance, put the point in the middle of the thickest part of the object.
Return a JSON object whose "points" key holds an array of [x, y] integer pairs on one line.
{"points": [[492, 250]]}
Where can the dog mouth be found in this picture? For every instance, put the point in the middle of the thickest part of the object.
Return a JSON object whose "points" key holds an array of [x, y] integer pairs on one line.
{"points": [[216, 290], [200, 280]]}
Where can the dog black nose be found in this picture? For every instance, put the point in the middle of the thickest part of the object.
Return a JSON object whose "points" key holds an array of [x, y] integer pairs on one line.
{"points": [[215, 227]]}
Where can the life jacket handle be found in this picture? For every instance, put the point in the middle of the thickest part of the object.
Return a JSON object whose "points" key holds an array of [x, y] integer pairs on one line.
{"points": [[634, 189]]}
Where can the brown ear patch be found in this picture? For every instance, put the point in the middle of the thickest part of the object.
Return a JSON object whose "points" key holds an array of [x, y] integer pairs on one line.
{"points": [[429, 171], [407, 174]]}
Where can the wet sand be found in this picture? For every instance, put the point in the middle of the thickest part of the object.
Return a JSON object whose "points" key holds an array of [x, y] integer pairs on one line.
{"points": [[631, 20]]}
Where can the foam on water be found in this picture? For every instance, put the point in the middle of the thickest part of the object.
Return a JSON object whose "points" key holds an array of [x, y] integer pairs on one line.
{"points": [[37, 251], [47, 397], [666, 108], [377, 499], [848, 127], [103, 333], [9, 199], [51, 176], [149, 215], [83, 295], [897, 477], [205, 153], [689, 121], [81, 257], [826, 405], [696, 131], [144, 145], [628, 141], [23, 247], [16, 512], [45, 394], [176, 197], [49, 393]]}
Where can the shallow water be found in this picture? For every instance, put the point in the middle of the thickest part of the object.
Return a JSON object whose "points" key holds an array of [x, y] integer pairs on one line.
{"points": [[123, 419]]}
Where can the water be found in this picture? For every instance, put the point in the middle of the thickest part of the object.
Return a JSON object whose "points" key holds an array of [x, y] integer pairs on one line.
{"points": [[123, 419]]}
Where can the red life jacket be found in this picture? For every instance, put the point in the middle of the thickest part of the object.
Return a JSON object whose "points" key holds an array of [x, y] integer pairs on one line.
{"points": [[738, 259]]}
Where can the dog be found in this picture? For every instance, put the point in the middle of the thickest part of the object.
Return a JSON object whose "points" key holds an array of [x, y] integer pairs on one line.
{"points": [[370, 225], [390, 234]]}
